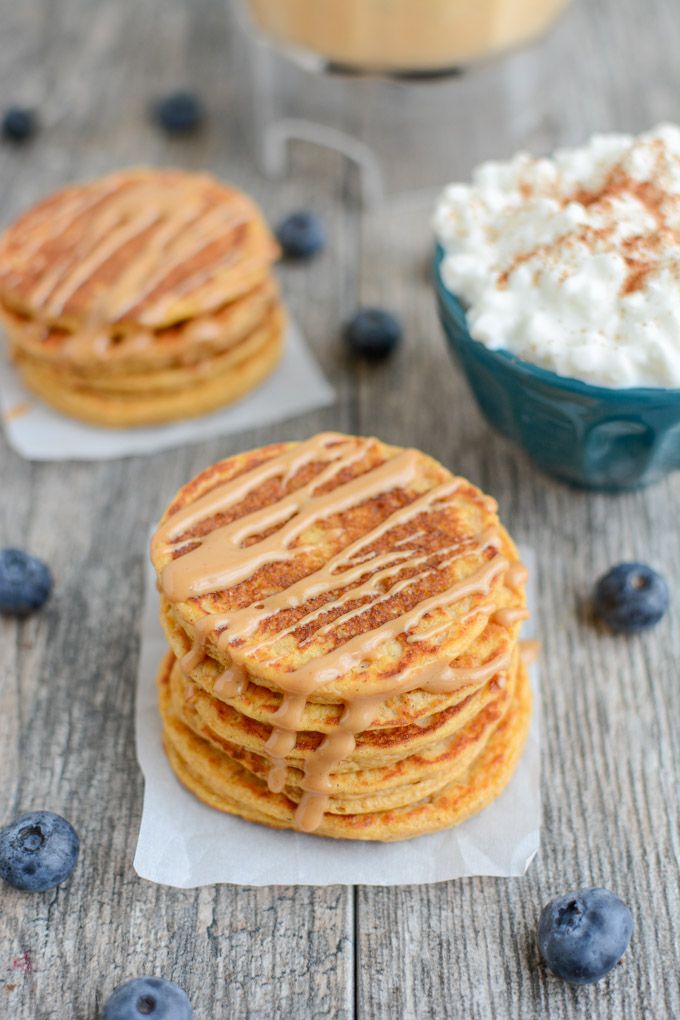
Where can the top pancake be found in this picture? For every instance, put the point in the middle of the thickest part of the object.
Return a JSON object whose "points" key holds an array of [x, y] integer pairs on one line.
{"points": [[339, 568], [135, 248]]}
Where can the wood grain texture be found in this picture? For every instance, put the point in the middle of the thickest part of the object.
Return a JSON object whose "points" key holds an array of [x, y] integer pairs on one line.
{"points": [[611, 706], [67, 677]]}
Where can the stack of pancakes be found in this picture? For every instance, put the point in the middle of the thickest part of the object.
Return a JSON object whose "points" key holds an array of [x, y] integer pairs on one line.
{"points": [[343, 622], [142, 297]]}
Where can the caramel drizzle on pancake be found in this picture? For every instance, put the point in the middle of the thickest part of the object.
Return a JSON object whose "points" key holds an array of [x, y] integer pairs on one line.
{"points": [[133, 242], [232, 553]]}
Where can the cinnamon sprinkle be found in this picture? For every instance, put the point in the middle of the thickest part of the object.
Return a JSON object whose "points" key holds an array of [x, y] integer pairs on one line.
{"points": [[640, 252]]}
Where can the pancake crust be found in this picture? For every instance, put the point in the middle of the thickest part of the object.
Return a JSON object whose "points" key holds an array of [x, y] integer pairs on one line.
{"points": [[144, 247], [412, 761], [375, 748], [343, 620], [105, 351], [161, 380], [257, 701], [123, 410], [222, 783]]}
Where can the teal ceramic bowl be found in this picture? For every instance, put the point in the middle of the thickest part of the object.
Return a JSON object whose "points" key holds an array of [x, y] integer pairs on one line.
{"points": [[590, 436]]}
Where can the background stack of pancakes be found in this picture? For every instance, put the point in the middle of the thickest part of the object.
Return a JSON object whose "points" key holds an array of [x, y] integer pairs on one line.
{"points": [[343, 620], [141, 297]]}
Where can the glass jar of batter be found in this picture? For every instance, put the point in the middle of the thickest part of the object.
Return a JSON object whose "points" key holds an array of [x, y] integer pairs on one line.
{"points": [[381, 80], [402, 35]]}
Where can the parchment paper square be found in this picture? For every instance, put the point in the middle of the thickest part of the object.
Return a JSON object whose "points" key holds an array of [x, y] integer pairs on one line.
{"points": [[36, 432]]}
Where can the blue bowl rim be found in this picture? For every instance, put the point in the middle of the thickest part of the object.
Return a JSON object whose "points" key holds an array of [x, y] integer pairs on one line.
{"points": [[564, 382]]}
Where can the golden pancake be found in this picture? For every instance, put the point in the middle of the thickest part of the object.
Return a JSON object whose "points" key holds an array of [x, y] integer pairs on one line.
{"points": [[345, 616], [487, 658], [223, 783], [175, 377], [143, 247], [142, 297], [103, 350], [123, 410], [376, 788], [374, 749]]}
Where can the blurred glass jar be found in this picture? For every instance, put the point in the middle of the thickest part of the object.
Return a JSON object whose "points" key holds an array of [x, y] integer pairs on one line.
{"points": [[380, 81], [402, 36]]}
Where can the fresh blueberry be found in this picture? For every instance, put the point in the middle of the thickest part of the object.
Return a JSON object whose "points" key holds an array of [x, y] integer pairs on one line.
{"points": [[179, 113], [631, 597], [25, 582], [148, 996], [301, 235], [18, 124], [38, 851], [584, 934], [373, 333]]}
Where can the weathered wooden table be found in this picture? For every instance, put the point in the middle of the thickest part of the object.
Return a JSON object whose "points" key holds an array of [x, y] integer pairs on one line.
{"points": [[611, 759]]}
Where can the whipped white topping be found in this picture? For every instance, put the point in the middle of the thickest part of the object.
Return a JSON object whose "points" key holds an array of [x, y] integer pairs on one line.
{"points": [[573, 262]]}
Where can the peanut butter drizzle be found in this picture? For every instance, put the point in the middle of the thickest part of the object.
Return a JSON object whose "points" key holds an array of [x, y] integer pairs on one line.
{"points": [[174, 219], [231, 683], [100, 339], [507, 617], [516, 576], [530, 651], [220, 559]]}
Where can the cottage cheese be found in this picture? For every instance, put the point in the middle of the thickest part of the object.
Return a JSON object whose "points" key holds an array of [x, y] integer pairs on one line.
{"points": [[573, 262]]}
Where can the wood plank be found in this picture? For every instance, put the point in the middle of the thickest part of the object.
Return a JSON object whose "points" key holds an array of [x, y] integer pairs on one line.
{"points": [[67, 677], [611, 753]]}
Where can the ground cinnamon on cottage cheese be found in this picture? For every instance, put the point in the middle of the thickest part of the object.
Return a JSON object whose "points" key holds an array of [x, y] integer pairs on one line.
{"points": [[573, 262]]}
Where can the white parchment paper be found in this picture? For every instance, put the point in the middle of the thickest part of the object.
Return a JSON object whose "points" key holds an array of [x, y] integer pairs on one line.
{"points": [[184, 843], [36, 432]]}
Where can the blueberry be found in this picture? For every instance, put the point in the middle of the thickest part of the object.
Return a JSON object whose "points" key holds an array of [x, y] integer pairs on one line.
{"points": [[301, 235], [148, 996], [373, 333], [18, 124], [631, 597], [584, 934], [179, 113], [25, 582], [38, 851]]}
